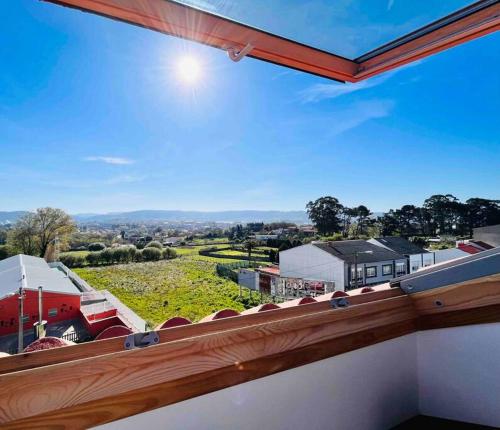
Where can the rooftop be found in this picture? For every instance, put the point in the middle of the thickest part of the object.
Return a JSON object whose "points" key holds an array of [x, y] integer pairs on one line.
{"points": [[366, 252], [37, 273], [400, 245]]}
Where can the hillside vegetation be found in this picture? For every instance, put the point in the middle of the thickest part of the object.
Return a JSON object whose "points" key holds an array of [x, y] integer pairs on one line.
{"points": [[187, 286]]}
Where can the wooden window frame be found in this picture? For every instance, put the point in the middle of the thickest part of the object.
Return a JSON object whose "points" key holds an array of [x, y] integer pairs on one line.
{"points": [[188, 22]]}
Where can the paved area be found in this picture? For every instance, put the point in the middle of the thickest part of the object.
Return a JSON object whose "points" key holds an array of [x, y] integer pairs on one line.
{"points": [[65, 329]]}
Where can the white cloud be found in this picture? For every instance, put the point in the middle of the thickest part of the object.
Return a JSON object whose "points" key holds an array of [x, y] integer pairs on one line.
{"points": [[358, 114], [318, 92], [110, 160]]}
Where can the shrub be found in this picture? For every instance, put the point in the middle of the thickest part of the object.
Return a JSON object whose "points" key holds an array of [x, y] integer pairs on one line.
{"points": [[94, 258], [154, 244], [169, 254], [4, 252], [72, 260], [107, 256], [97, 246], [151, 254]]}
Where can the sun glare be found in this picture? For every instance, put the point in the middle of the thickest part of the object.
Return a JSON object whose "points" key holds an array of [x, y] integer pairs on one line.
{"points": [[188, 70]]}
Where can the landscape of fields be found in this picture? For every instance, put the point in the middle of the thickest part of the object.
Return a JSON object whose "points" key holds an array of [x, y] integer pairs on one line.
{"points": [[187, 286]]}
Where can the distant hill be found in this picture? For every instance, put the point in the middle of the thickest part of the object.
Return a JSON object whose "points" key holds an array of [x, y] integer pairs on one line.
{"points": [[196, 216], [9, 217]]}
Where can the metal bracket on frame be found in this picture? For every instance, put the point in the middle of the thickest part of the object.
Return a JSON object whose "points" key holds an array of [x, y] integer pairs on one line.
{"points": [[141, 340], [236, 55], [339, 302]]}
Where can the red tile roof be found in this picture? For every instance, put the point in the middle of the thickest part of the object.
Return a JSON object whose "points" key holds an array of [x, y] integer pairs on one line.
{"points": [[468, 248], [113, 331]]}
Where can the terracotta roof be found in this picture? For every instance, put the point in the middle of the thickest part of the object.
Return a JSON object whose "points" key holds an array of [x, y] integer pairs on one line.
{"points": [[113, 331], [271, 270], [468, 248]]}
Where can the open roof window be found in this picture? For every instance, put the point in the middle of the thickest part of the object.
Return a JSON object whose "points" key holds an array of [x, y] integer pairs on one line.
{"points": [[338, 39]]}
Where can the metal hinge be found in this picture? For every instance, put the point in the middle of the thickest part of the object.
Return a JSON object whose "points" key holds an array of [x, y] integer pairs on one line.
{"points": [[339, 302], [141, 340]]}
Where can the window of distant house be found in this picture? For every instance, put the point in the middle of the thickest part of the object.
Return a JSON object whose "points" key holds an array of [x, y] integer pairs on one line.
{"points": [[53, 312], [387, 269], [400, 269], [371, 272], [360, 273]]}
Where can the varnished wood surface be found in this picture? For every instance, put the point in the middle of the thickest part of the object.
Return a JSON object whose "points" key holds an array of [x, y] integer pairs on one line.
{"points": [[98, 389], [92, 349], [154, 396], [466, 295], [44, 389]]}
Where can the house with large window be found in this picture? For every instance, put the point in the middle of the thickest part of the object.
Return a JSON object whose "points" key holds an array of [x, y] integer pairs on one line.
{"points": [[348, 264]]}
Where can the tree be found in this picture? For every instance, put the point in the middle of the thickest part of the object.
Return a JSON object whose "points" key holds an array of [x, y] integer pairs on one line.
{"points": [[23, 237], [52, 224], [324, 213], [482, 212], [363, 219], [151, 254], [346, 216]]}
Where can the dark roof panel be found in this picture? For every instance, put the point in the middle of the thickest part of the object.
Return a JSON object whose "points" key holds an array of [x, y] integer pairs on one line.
{"points": [[367, 252], [400, 245]]}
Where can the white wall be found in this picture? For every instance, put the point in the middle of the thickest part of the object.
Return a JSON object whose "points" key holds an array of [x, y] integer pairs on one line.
{"points": [[248, 278], [310, 262], [373, 388], [451, 373], [459, 373]]}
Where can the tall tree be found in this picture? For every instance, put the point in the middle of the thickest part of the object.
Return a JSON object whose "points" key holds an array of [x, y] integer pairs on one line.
{"points": [[363, 219], [324, 213], [23, 236], [36, 232], [482, 212]]}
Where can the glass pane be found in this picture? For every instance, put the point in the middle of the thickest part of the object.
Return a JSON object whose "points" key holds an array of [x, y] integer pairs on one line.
{"points": [[345, 27]]}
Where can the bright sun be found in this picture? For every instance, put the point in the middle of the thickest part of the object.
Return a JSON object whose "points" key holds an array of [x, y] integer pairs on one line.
{"points": [[188, 70]]}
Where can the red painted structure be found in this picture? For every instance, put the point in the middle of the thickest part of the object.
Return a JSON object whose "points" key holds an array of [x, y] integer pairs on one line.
{"points": [[57, 306]]}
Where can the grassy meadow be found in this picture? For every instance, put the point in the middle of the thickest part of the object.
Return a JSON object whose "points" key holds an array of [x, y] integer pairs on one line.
{"points": [[186, 286]]}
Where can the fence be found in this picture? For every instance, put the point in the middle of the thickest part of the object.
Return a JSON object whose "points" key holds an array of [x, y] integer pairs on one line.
{"points": [[227, 270], [216, 253]]}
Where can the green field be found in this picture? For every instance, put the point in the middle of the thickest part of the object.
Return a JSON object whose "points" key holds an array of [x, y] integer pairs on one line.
{"points": [[187, 286]]}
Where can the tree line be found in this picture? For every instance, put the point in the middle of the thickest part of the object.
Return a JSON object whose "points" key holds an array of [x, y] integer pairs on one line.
{"points": [[120, 255], [439, 215]]}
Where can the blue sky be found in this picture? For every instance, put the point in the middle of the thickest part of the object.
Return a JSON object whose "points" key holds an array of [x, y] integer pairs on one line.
{"points": [[95, 118]]}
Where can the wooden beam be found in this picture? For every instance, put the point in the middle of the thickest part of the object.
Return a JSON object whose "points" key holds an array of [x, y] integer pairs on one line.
{"points": [[92, 349], [473, 294], [33, 392], [133, 402]]}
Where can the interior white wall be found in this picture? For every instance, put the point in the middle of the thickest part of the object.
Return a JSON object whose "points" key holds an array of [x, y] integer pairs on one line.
{"points": [[370, 388], [459, 373]]}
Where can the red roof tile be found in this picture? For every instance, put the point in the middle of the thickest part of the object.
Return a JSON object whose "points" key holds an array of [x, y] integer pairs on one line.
{"points": [[224, 313], [47, 343], [468, 248], [174, 322], [113, 331], [261, 308]]}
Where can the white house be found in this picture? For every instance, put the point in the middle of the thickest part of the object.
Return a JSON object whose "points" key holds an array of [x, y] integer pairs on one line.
{"points": [[417, 257], [337, 262]]}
